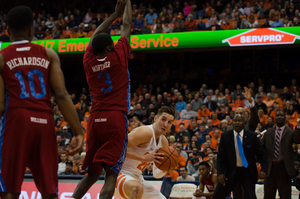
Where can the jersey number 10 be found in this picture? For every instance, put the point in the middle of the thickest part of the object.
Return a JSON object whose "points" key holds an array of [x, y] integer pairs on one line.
{"points": [[24, 93]]}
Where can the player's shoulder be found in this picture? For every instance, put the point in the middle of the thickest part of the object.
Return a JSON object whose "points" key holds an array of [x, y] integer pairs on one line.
{"points": [[164, 141]]}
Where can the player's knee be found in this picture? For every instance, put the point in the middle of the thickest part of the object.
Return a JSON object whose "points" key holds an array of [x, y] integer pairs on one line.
{"points": [[139, 189]]}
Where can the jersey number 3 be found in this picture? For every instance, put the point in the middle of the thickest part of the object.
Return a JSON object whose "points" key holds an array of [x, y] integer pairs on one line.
{"points": [[30, 74], [105, 90]]}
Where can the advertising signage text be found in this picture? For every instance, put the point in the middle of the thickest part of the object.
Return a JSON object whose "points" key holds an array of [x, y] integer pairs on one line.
{"points": [[185, 40]]}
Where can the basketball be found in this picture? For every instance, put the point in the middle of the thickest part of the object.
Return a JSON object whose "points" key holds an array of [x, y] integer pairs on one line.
{"points": [[171, 159]]}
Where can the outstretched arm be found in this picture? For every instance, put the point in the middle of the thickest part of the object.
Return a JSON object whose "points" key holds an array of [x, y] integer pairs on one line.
{"points": [[127, 21], [105, 25]]}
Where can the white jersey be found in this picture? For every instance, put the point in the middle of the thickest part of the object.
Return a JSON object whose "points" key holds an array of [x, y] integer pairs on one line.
{"points": [[136, 167]]}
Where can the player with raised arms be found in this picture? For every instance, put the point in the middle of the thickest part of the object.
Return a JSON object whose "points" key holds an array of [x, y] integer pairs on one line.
{"points": [[27, 136], [143, 144], [106, 70]]}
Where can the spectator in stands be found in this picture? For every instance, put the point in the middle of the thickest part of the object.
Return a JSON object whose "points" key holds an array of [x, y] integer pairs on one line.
{"points": [[149, 170], [40, 34], [62, 164], [138, 110], [145, 29], [188, 113], [55, 33], [248, 8], [69, 166], [265, 24], [72, 23], [203, 112], [196, 103], [182, 132], [209, 125], [184, 175], [270, 123], [211, 94], [166, 28], [214, 24], [193, 165], [200, 24], [224, 125], [269, 102], [151, 17], [66, 136], [215, 120], [173, 174], [277, 22], [239, 102], [59, 140], [50, 23], [177, 27], [180, 105], [76, 161], [236, 92], [211, 105], [222, 114], [222, 101], [139, 22], [215, 140], [193, 128], [262, 117], [190, 23], [182, 159], [260, 105], [261, 10], [292, 113]]}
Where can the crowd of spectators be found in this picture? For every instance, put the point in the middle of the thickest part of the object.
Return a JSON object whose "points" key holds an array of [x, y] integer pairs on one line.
{"points": [[201, 117], [74, 21]]}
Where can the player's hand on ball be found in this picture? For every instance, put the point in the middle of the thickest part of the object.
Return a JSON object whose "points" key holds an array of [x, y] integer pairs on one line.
{"points": [[76, 145], [154, 156]]}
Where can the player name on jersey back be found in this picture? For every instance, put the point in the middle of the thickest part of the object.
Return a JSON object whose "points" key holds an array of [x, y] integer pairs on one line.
{"points": [[28, 61]]}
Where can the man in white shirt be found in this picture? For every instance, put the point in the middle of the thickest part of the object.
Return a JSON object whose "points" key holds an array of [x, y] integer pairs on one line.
{"points": [[184, 176], [62, 164]]}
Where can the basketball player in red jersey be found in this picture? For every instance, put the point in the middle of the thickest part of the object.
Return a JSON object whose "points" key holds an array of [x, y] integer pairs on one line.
{"points": [[208, 179], [106, 69], [27, 74]]}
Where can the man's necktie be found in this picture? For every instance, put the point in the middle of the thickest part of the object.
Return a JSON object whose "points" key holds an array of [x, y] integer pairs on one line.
{"points": [[241, 151], [277, 143]]}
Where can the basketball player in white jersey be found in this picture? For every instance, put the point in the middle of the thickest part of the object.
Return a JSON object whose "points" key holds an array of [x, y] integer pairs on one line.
{"points": [[143, 143]]}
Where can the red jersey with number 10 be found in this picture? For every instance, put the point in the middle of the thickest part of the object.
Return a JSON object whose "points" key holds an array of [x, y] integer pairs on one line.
{"points": [[26, 76], [108, 77]]}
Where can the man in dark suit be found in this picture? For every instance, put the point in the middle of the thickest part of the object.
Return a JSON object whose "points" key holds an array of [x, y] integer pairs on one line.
{"points": [[278, 144], [211, 105], [236, 160]]}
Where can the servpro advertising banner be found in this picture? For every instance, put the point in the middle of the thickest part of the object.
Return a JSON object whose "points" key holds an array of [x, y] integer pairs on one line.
{"points": [[197, 39], [65, 191]]}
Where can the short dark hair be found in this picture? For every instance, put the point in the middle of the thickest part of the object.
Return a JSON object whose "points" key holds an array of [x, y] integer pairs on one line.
{"points": [[19, 18], [101, 41], [166, 109], [205, 164], [183, 167]]}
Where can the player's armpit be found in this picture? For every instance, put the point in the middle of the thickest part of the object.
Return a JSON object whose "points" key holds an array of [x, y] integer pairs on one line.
{"points": [[2, 96]]}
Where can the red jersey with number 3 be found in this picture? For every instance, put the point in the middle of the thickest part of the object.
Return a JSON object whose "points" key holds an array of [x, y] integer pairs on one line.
{"points": [[26, 76], [108, 77]]}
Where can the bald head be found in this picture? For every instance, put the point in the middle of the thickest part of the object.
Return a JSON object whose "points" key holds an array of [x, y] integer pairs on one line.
{"points": [[240, 111]]}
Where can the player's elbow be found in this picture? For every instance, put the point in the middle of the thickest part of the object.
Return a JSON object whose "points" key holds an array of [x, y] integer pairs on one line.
{"points": [[61, 95]]}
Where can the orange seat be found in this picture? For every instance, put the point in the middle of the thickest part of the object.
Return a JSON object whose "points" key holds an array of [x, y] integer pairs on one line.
{"points": [[186, 123], [176, 123], [66, 33]]}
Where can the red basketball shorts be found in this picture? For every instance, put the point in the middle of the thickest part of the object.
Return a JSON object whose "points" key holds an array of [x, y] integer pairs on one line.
{"points": [[106, 140], [28, 140]]}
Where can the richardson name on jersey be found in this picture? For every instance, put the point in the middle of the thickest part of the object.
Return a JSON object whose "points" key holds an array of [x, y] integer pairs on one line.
{"points": [[28, 61]]}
